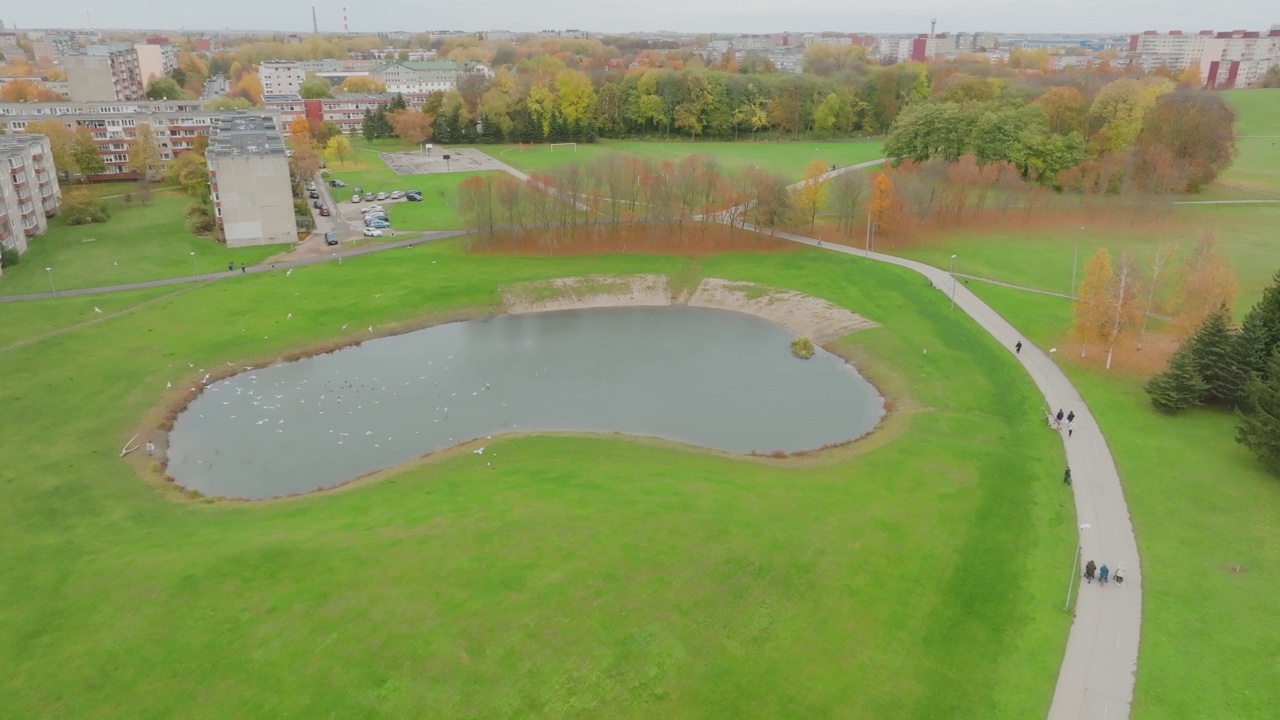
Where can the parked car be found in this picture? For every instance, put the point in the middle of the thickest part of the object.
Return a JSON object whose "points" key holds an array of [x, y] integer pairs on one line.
{"points": [[331, 238], [381, 196], [368, 222], [313, 195], [369, 197], [371, 208], [372, 232], [397, 194], [412, 198], [317, 204], [324, 211], [337, 183], [380, 224], [355, 198]]}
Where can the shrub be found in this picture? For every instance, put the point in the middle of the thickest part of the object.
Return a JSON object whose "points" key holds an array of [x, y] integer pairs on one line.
{"points": [[81, 207], [9, 257], [199, 219], [802, 348]]}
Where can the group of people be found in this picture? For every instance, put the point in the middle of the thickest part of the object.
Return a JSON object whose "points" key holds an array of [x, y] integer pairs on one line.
{"points": [[1103, 573], [1055, 421]]}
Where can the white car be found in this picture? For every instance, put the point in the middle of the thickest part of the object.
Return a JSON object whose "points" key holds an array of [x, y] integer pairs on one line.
{"points": [[397, 194], [372, 232], [370, 208]]}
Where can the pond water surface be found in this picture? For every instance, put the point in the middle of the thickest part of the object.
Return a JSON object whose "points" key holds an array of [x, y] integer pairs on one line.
{"points": [[714, 378]]}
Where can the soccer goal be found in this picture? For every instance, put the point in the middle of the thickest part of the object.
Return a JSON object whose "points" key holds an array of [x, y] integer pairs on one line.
{"points": [[570, 146]]}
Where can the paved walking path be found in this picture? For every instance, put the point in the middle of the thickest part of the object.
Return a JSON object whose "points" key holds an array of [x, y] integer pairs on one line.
{"points": [[1097, 673]]}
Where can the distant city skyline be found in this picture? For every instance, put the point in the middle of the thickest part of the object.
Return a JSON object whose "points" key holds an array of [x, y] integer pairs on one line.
{"points": [[743, 16]]}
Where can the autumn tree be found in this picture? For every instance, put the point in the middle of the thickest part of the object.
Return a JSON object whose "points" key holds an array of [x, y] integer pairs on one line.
{"points": [[811, 195], [1119, 111], [847, 191], [144, 152], [190, 172], [62, 142], [85, 152], [411, 126], [1089, 307], [300, 130], [248, 87], [339, 147], [361, 84], [1206, 282], [575, 97], [1196, 128], [1124, 304], [24, 90], [1063, 108], [884, 200]]}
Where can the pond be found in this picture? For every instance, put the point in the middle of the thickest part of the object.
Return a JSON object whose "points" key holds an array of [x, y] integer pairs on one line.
{"points": [[714, 378]]}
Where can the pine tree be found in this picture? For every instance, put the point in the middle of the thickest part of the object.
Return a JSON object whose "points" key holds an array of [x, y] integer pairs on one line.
{"points": [[1212, 349], [1260, 332], [1259, 430], [1179, 387]]}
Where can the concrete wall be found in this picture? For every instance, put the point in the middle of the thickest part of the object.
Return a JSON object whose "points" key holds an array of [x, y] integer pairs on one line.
{"points": [[255, 200], [89, 78], [150, 61]]}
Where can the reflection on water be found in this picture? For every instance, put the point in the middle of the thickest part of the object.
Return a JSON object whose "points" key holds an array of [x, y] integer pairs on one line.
{"points": [[708, 377]]}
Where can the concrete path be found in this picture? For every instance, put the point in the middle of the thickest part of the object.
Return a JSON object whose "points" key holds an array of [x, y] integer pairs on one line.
{"points": [[1097, 673]]}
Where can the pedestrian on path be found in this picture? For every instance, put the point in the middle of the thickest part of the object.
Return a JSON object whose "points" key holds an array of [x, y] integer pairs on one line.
{"points": [[1060, 416], [241, 267], [1089, 569], [1071, 427], [151, 448], [1119, 574], [1102, 574], [231, 266], [1066, 477], [1071, 416], [1017, 348]]}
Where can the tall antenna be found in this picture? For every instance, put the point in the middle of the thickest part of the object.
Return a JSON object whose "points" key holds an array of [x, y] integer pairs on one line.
{"points": [[315, 24], [933, 26], [345, 29]]}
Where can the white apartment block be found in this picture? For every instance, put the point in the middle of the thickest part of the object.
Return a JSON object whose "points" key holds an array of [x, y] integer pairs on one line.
{"points": [[281, 77], [29, 191], [421, 77], [156, 58], [105, 72], [249, 180], [1225, 59]]}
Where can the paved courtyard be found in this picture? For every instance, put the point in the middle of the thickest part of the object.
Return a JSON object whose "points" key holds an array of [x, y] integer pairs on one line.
{"points": [[422, 162]]}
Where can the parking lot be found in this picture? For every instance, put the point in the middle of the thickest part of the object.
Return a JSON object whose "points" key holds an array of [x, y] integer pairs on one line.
{"points": [[421, 162]]}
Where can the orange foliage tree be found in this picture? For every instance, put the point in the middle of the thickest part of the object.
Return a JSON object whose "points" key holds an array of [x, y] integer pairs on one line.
{"points": [[411, 125], [1207, 282], [811, 194], [24, 90]]}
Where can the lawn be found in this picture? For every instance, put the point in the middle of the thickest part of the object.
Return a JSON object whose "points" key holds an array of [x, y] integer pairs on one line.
{"points": [[1204, 512], [920, 576], [1256, 167], [138, 243], [788, 158], [437, 211]]}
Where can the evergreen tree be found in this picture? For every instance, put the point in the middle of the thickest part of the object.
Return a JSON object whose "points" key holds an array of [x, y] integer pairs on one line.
{"points": [[397, 103], [367, 127], [1212, 349], [1179, 387], [1259, 430], [1260, 332]]}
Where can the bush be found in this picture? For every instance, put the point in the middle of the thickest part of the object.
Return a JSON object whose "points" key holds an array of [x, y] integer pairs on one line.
{"points": [[81, 207], [802, 348], [8, 257], [199, 219]]}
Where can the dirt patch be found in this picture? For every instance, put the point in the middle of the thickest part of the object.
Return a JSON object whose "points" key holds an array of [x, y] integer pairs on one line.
{"points": [[812, 317], [588, 291]]}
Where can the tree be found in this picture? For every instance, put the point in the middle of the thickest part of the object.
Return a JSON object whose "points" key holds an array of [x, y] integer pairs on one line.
{"points": [[410, 125], [1089, 309], [62, 142], [248, 87], [1259, 428], [1179, 387], [1124, 307], [883, 200], [834, 115], [228, 103], [1119, 111], [314, 88], [81, 207], [144, 153], [191, 173], [1206, 283], [1212, 351], [165, 88], [1063, 109], [811, 195], [541, 103], [846, 201], [1259, 336], [361, 84], [300, 130], [340, 147], [24, 90], [85, 152], [1196, 129]]}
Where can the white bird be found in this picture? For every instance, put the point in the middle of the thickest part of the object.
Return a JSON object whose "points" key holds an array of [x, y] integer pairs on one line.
{"points": [[478, 452], [1052, 350], [344, 327], [378, 295], [168, 386], [289, 316], [370, 328], [288, 272], [96, 309]]}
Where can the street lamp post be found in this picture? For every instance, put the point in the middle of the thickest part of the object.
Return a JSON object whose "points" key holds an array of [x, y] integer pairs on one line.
{"points": [[868, 253], [1075, 259], [51, 287], [196, 265], [953, 282]]}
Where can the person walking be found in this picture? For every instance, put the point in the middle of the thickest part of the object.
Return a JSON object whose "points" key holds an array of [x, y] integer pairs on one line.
{"points": [[1071, 427], [1089, 569], [241, 267], [1017, 348], [1102, 574], [1066, 477], [1119, 574], [1071, 416], [231, 266], [151, 448]]}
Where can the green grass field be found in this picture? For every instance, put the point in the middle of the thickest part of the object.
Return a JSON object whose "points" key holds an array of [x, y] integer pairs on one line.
{"points": [[1256, 168], [582, 577], [788, 158], [1204, 512], [138, 243], [437, 211]]}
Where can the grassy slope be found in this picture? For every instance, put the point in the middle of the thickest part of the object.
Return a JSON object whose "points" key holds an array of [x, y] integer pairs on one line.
{"points": [[788, 158], [581, 577], [124, 249], [1257, 164], [1201, 506]]}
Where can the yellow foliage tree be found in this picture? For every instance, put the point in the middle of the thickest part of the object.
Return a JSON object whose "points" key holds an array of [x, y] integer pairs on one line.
{"points": [[1207, 282], [811, 195], [359, 84], [576, 97], [339, 147], [1089, 310]]}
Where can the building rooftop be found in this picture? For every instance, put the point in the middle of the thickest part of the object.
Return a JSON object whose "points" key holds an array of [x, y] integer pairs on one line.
{"points": [[243, 134], [422, 65]]}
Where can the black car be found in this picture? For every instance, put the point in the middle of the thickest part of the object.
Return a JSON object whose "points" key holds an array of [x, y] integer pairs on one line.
{"points": [[337, 183], [317, 204], [413, 197], [331, 238], [314, 194]]}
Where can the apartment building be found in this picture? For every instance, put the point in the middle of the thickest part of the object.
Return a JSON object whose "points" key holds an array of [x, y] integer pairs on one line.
{"points": [[281, 77], [105, 72], [9, 46], [422, 77], [249, 180], [1237, 58], [346, 110], [175, 125], [54, 48], [157, 57], [29, 191]]}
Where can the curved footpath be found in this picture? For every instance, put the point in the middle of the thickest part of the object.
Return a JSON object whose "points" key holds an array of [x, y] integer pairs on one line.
{"points": [[1097, 673]]}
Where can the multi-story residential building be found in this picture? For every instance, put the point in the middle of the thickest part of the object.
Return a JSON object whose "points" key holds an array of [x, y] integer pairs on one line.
{"points": [[422, 77], [29, 192], [281, 77], [1224, 59], [9, 46], [53, 48], [346, 110], [156, 58], [175, 125], [105, 72], [249, 180]]}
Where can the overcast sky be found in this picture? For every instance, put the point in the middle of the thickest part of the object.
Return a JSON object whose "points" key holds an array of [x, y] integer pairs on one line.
{"points": [[1043, 16]]}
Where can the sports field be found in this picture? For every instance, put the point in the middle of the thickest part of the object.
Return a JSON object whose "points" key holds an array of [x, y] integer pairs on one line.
{"points": [[918, 574]]}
